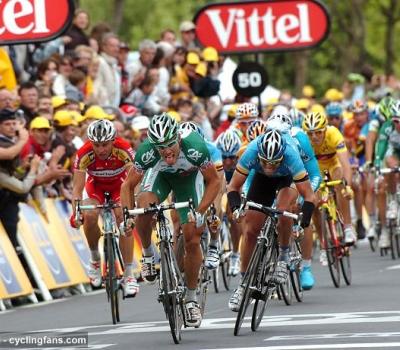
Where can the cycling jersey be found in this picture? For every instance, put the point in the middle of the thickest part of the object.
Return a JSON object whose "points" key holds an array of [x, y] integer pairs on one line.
{"points": [[355, 137], [216, 155], [388, 143], [183, 178], [332, 144], [104, 175], [291, 165]]}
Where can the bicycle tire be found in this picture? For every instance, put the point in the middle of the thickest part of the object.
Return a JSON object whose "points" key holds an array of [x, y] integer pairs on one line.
{"points": [[331, 250], [225, 258], [112, 281], [295, 273], [248, 282], [398, 245], [392, 228], [168, 297], [286, 292], [215, 277], [345, 262], [270, 258]]}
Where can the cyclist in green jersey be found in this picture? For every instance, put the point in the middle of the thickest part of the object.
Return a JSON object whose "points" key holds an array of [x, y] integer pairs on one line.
{"points": [[165, 162]]}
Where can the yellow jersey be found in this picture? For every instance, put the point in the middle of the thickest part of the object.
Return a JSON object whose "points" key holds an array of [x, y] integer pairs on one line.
{"points": [[333, 144]]}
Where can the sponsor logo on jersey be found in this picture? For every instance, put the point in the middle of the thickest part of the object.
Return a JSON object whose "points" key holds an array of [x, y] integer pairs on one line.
{"points": [[194, 154], [148, 157]]}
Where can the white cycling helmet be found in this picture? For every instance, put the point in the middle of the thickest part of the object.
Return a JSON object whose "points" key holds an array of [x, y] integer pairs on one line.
{"points": [[163, 128], [228, 143], [281, 122], [271, 145], [101, 131], [187, 127]]}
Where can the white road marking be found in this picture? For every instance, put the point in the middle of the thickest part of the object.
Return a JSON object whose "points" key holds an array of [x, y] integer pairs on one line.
{"points": [[332, 336], [228, 323], [394, 267], [317, 346]]}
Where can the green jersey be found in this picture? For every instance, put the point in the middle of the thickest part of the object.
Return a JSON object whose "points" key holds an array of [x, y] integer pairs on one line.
{"points": [[388, 142], [193, 156]]}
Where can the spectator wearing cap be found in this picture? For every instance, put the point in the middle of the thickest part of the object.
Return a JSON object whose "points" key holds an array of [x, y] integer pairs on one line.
{"points": [[77, 31], [168, 35], [10, 186], [137, 68], [188, 35], [139, 125], [107, 86], [128, 112], [29, 99]]}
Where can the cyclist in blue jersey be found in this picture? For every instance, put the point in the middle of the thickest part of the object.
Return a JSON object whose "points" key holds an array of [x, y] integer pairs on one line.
{"points": [[229, 144], [277, 162], [334, 112], [284, 124], [212, 259]]}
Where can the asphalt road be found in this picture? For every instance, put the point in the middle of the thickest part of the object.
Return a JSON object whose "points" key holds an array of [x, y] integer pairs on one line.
{"points": [[363, 315]]}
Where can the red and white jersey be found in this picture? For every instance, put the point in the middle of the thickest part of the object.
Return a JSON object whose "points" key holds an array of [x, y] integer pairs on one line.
{"points": [[110, 170]]}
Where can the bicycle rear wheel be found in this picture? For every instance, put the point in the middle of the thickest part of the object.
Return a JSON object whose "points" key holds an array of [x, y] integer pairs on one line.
{"points": [[169, 296], [226, 244], [331, 250], [204, 280], [111, 281], [248, 283]]}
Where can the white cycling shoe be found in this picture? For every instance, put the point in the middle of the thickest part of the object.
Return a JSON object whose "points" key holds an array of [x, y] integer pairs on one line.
{"points": [[94, 274], [130, 286]]}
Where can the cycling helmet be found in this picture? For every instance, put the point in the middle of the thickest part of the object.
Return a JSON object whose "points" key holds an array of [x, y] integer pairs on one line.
{"points": [[358, 106], [384, 107], [101, 131], [395, 109], [271, 145], [246, 110], [314, 121], [187, 127], [255, 129], [334, 109], [163, 128], [297, 117], [228, 143], [282, 118]]}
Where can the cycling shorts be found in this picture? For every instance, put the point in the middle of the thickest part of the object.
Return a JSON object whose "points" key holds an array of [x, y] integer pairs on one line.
{"points": [[183, 188], [96, 191], [329, 165]]}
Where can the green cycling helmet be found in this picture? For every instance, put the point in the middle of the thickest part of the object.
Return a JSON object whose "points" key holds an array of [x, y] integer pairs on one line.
{"points": [[385, 107], [163, 129]]}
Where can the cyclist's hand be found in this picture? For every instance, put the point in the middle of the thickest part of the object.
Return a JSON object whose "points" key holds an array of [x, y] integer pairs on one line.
{"points": [[238, 215], [196, 218], [127, 227], [347, 192], [214, 223], [75, 223], [367, 166]]}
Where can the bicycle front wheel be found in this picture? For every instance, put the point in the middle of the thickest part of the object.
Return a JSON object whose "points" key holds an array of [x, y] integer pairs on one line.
{"points": [[226, 244], [169, 296], [332, 252], [112, 284], [345, 257]]}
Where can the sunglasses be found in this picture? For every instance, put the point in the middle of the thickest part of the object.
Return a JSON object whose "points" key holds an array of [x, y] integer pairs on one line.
{"points": [[335, 117], [167, 145], [396, 121], [270, 162], [229, 157], [316, 132]]}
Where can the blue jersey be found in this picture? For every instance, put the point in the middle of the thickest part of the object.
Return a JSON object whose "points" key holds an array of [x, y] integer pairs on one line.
{"points": [[291, 165], [307, 156], [215, 154]]}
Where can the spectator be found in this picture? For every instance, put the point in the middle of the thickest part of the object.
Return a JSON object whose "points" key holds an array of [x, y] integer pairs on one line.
{"points": [[64, 70], [188, 35], [11, 186], [47, 71], [137, 68], [29, 99], [77, 31], [7, 99], [97, 34], [45, 107], [185, 109], [168, 35], [122, 62], [163, 60], [75, 85], [107, 86]]}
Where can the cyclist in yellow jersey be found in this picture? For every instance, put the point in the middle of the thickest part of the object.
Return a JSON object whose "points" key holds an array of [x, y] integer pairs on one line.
{"points": [[331, 152]]}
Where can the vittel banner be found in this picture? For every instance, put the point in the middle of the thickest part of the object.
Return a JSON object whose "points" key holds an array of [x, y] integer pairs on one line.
{"points": [[27, 21], [239, 27]]}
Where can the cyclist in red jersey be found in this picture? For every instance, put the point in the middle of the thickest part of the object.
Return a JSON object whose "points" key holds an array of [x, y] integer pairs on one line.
{"points": [[106, 159]]}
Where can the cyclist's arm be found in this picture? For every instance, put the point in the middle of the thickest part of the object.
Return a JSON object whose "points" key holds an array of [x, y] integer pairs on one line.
{"points": [[370, 145], [234, 188], [212, 187], [78, 186], [345, 163], [305, 190], [382, 144], [128, 187]]}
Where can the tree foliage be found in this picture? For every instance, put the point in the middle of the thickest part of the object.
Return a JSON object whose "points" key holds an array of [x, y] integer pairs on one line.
{"points": [[362, 32]]}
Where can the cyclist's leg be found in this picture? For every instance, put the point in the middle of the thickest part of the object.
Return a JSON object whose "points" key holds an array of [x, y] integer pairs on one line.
{"points": [[370, 199], [154, 189], [357, 187], [92, 230]]}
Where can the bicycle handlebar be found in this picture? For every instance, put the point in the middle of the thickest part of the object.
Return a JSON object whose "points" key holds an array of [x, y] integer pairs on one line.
{"points": [[268, 210], [157, 208]]}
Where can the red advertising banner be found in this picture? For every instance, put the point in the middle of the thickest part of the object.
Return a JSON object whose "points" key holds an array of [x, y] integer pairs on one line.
{"points": [[27, 21], [252, 26]]}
